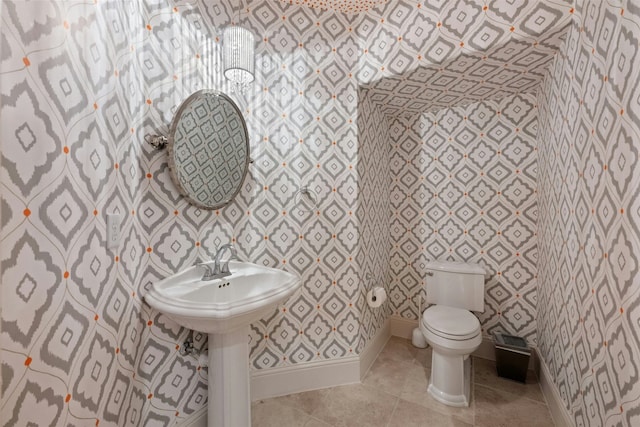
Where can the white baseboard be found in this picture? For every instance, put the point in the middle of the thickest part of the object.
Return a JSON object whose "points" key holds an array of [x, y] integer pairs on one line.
{"points": [[267, 383], [197, 419], [401, 327], [486, 350], [559, 413], [373, 347]]}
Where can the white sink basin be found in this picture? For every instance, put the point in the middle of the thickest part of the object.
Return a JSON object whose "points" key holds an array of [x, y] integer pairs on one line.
{"points": [[224, 308], [221, 305]]}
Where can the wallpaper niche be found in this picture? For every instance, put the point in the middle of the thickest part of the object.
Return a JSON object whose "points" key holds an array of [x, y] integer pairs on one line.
{"points": [[463, 188]]}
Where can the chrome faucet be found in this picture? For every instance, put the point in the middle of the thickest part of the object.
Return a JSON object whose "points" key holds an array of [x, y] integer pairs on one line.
{"points": [[220, 268], [208, 271]]}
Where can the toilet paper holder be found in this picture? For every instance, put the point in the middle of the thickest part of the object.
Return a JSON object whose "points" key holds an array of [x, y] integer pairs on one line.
{"points": [[376, 293], [369, 279], [376, 297]]}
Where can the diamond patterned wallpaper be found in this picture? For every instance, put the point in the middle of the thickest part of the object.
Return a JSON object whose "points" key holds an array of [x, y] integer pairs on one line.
{"points": [[374, 177], [426, 56], [589, 216], [303, 118], [463, 188], [82, 86], [77, 337]]}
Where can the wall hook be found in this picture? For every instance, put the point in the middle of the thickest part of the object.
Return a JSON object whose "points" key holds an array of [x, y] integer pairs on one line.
{"points": [[307, 198], [158, 141]]}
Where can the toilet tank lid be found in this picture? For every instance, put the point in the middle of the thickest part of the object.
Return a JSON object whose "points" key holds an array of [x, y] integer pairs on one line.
{"points": [[456, 267]]}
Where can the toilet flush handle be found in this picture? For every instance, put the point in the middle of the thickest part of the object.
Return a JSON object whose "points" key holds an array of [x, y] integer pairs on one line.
{"points": [[429, 273]]}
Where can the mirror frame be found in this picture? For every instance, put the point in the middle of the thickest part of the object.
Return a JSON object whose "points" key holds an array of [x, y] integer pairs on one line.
{"points": [[171, 143]]}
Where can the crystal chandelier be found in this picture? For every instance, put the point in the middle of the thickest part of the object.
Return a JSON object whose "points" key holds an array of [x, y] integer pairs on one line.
{"points": [[238, 57]]}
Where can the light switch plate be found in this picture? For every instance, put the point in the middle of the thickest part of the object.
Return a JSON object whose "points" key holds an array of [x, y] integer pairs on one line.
{"points": [[113, 230]]}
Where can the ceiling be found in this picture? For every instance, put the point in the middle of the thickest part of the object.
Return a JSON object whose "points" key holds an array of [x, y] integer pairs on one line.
{"points": [[344, 6], [514, 67]]}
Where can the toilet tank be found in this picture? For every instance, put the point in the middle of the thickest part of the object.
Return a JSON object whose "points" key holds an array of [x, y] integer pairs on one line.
{"points": [[456, 284]]}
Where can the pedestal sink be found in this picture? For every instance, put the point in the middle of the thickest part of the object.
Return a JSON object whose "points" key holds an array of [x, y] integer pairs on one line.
{"points": [[224, 308]]}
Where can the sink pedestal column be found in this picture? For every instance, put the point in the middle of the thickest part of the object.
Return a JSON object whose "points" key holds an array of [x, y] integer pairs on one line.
{"points": [[229, 398]]}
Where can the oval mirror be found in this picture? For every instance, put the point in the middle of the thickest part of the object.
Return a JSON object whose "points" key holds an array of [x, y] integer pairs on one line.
{"points": [[208, 149]]}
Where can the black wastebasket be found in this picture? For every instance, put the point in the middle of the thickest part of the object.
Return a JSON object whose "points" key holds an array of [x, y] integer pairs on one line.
{"points": [[512, 356]]}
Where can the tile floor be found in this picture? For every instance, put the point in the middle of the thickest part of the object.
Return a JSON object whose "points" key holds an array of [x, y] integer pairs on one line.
{"points": [[394, 394]]}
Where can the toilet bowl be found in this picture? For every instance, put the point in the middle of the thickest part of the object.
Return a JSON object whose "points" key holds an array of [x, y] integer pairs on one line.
{"points": [[453, 334], [451, 329]]}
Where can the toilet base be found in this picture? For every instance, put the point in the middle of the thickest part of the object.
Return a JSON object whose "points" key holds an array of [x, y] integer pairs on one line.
{"points": [[450, 381]]}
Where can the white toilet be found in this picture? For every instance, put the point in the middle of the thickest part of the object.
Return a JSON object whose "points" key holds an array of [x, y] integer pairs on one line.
{"points": [[451, 329]]}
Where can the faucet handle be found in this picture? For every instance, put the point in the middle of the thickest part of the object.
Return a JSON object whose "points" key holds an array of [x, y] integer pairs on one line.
{"points": [[233, 255], [208, 271]]}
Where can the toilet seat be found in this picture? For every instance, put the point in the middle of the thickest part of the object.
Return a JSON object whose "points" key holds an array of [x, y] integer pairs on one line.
{"points": [[451, 323]]}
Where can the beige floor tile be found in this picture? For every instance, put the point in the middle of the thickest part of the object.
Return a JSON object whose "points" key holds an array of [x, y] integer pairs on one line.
{"points": [[307, 401], [485, 374], [314, 422], [408, 414], [415, 391], [423, 357], [266, 413], [356, 405], [399, 349], [390, 375], [495, 408]]}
